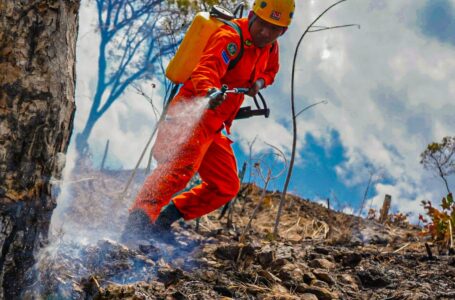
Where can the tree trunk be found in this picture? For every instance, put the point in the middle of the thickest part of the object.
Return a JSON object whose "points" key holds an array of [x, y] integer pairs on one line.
{"points": [[37, 81]]}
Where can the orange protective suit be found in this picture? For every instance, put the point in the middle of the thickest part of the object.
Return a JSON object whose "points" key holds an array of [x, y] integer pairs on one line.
{"points": [[181, 151]]}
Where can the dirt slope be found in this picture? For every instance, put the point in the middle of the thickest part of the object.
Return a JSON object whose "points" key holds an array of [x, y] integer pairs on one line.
{"points": [[320, 254]]}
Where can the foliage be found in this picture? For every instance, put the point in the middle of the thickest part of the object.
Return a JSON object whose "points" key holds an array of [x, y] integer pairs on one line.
{"points": [[371, 214], [440, 158], [442, 222], [398, 219], [189, 6]]}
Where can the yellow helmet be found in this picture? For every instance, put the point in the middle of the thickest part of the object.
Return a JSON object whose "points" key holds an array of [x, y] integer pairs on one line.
{"points": [[278, 12]]}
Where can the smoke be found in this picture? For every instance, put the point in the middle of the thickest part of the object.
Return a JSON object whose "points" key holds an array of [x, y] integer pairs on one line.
{"points": [[90, 217]]}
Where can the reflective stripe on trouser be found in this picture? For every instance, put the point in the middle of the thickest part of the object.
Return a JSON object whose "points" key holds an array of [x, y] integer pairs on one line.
{"points": [[179, 157]]}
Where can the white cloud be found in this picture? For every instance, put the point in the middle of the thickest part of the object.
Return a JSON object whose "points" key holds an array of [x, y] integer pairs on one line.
{"points": [[389, 87], [348, 210]]}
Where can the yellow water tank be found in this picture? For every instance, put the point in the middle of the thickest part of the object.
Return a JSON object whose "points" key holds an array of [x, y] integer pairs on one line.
{"points": [[192, 46]]}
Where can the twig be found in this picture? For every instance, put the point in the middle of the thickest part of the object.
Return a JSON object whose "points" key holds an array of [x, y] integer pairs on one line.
{"points": [[72, 181], [310, 106], [430, 254], [295, 225], [401, 248], [256, 209], [451, 249], [97, 285]]}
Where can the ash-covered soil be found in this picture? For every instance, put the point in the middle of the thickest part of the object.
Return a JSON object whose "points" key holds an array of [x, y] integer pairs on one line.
{"points": [[320, 254]]}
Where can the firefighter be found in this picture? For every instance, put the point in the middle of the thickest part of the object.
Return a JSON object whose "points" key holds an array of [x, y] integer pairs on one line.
{"points": [[205, 149]]}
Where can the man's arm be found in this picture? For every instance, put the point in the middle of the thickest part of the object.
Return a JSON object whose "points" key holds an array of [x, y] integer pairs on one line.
{"points": [[267, 77], [273, 65]]}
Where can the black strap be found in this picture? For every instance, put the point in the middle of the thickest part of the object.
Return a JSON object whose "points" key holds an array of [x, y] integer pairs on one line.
{"points": [[234, 62], [174, 90]]}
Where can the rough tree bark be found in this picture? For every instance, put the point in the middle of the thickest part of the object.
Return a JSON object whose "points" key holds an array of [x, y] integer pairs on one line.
{"points": [[37, 80]]}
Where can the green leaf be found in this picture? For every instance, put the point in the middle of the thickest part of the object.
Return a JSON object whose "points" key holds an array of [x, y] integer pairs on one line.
{"points": [[450, 198], [445, 204]]}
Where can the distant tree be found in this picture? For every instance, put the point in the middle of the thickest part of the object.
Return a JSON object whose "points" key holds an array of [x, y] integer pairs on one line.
{"points": [[440, 158], [136, 36], [37, 68], [374, 174]]}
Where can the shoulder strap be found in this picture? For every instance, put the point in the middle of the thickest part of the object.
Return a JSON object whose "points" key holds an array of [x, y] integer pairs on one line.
{"points": [[236, 27]]}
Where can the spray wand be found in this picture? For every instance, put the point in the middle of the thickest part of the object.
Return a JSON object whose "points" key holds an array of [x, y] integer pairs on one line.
{"points": [[216, 97]]}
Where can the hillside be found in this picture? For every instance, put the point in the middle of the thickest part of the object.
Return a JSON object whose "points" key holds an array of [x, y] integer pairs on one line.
{"points": [[320, 254]]}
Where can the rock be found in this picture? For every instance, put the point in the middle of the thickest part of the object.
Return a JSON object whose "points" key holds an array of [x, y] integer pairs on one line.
{"points": [[348, 279], [291, 273], [308, 296], [265, 257], [321, 284], [322, 250], [300, 288], [308, 277], [321, 293], [349, 259], [283, 256], [285, 252], [373, 278], [169, 276], [231, 252], [322, 263], [279, 263], [324, 276], [228, 252], [224, 291]]}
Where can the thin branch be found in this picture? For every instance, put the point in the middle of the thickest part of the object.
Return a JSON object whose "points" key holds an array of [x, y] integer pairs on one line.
{"points": [[334, 27], [310, 106]]}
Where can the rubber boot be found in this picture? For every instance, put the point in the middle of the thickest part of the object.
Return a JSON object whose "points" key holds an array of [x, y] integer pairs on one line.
{"points": [[138, 227], [162, 227], [168, 216]]}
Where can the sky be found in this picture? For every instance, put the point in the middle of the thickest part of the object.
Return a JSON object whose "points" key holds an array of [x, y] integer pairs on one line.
{"points": [[389, 87]]}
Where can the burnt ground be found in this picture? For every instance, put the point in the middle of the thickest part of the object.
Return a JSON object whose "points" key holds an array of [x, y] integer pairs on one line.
{"points": [[320, 253]]}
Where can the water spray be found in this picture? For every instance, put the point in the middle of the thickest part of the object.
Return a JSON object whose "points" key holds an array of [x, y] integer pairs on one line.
{"points": [[224, 90]]}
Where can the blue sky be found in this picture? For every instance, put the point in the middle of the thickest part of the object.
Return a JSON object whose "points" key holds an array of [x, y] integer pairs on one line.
{"points": [[437, 20], [390, 88]]}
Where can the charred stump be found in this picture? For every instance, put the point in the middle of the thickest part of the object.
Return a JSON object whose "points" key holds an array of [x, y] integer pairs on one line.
{"points": [[37, 82]]}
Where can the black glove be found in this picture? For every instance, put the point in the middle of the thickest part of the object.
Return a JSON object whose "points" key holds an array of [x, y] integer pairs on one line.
{"points": [[254, 89], [216, 97]]}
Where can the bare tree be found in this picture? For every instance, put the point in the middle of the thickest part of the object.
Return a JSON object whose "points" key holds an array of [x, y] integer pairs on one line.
{"points": [[310, 28], [134, 36], [440, 158], [37, 80]]}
